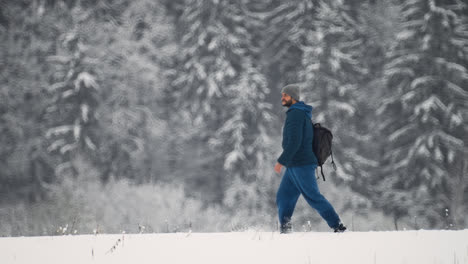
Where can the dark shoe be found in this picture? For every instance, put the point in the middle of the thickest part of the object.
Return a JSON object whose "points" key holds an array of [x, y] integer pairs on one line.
{"points": [[286, 228], [340, 228]]}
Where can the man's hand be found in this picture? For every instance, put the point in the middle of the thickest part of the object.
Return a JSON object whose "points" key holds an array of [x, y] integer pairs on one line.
{"points": [[278, 167]]}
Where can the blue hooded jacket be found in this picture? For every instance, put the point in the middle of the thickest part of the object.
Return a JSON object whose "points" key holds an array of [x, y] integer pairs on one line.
{"points": [[297, 137]]}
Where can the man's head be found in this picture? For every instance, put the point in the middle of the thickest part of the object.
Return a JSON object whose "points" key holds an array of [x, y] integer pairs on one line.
{"points": [[290, 94]]}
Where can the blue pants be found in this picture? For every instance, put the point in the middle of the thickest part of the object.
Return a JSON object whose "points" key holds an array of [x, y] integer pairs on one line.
{"points": [[301, 180]]}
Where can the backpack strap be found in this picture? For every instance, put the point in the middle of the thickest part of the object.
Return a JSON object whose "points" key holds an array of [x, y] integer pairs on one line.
{"points": [[321, 170], [321, 167], [333, 162]]}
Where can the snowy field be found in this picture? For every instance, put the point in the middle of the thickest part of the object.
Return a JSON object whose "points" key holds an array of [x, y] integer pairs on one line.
{"points": [[410, 247]]}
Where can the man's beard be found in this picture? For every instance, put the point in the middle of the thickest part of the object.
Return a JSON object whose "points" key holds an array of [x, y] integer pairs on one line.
{"points": [[286, 103]]}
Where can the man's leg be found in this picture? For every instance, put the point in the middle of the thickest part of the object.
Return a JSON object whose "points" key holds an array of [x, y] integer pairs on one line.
{"points": [[286, 198], [304, 178]]}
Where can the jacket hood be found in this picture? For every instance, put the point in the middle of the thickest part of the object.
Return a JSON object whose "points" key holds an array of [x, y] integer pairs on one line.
{"points": [[304, 107]]}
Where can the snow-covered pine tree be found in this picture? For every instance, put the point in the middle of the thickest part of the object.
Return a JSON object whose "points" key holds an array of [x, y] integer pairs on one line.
{"points": [[132, 41], [221, 89], [322, 44], [289, 22], [27, 36], [423, 115], [336, 80], [74, 91], [461, 197], [326, 45]]}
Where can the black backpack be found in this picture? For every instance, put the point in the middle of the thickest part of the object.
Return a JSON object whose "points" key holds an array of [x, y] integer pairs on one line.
{"points": [[322, 146]]}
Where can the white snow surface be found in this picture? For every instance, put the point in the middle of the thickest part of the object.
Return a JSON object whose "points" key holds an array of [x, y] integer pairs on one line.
{"points": [[428, 247]]}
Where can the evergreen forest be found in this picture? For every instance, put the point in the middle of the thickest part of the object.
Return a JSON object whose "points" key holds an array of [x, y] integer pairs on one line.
{"points": [[165, 115]]}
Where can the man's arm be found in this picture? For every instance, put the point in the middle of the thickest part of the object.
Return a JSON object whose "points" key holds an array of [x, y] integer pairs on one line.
{"points": [[293, 129]]}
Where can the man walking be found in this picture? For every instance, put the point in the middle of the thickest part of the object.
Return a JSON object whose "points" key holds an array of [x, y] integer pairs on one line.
{"points": [[300, 162]]}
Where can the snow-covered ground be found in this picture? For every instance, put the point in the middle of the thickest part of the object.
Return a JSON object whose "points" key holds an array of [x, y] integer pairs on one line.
{"points": [[426, 247]]}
